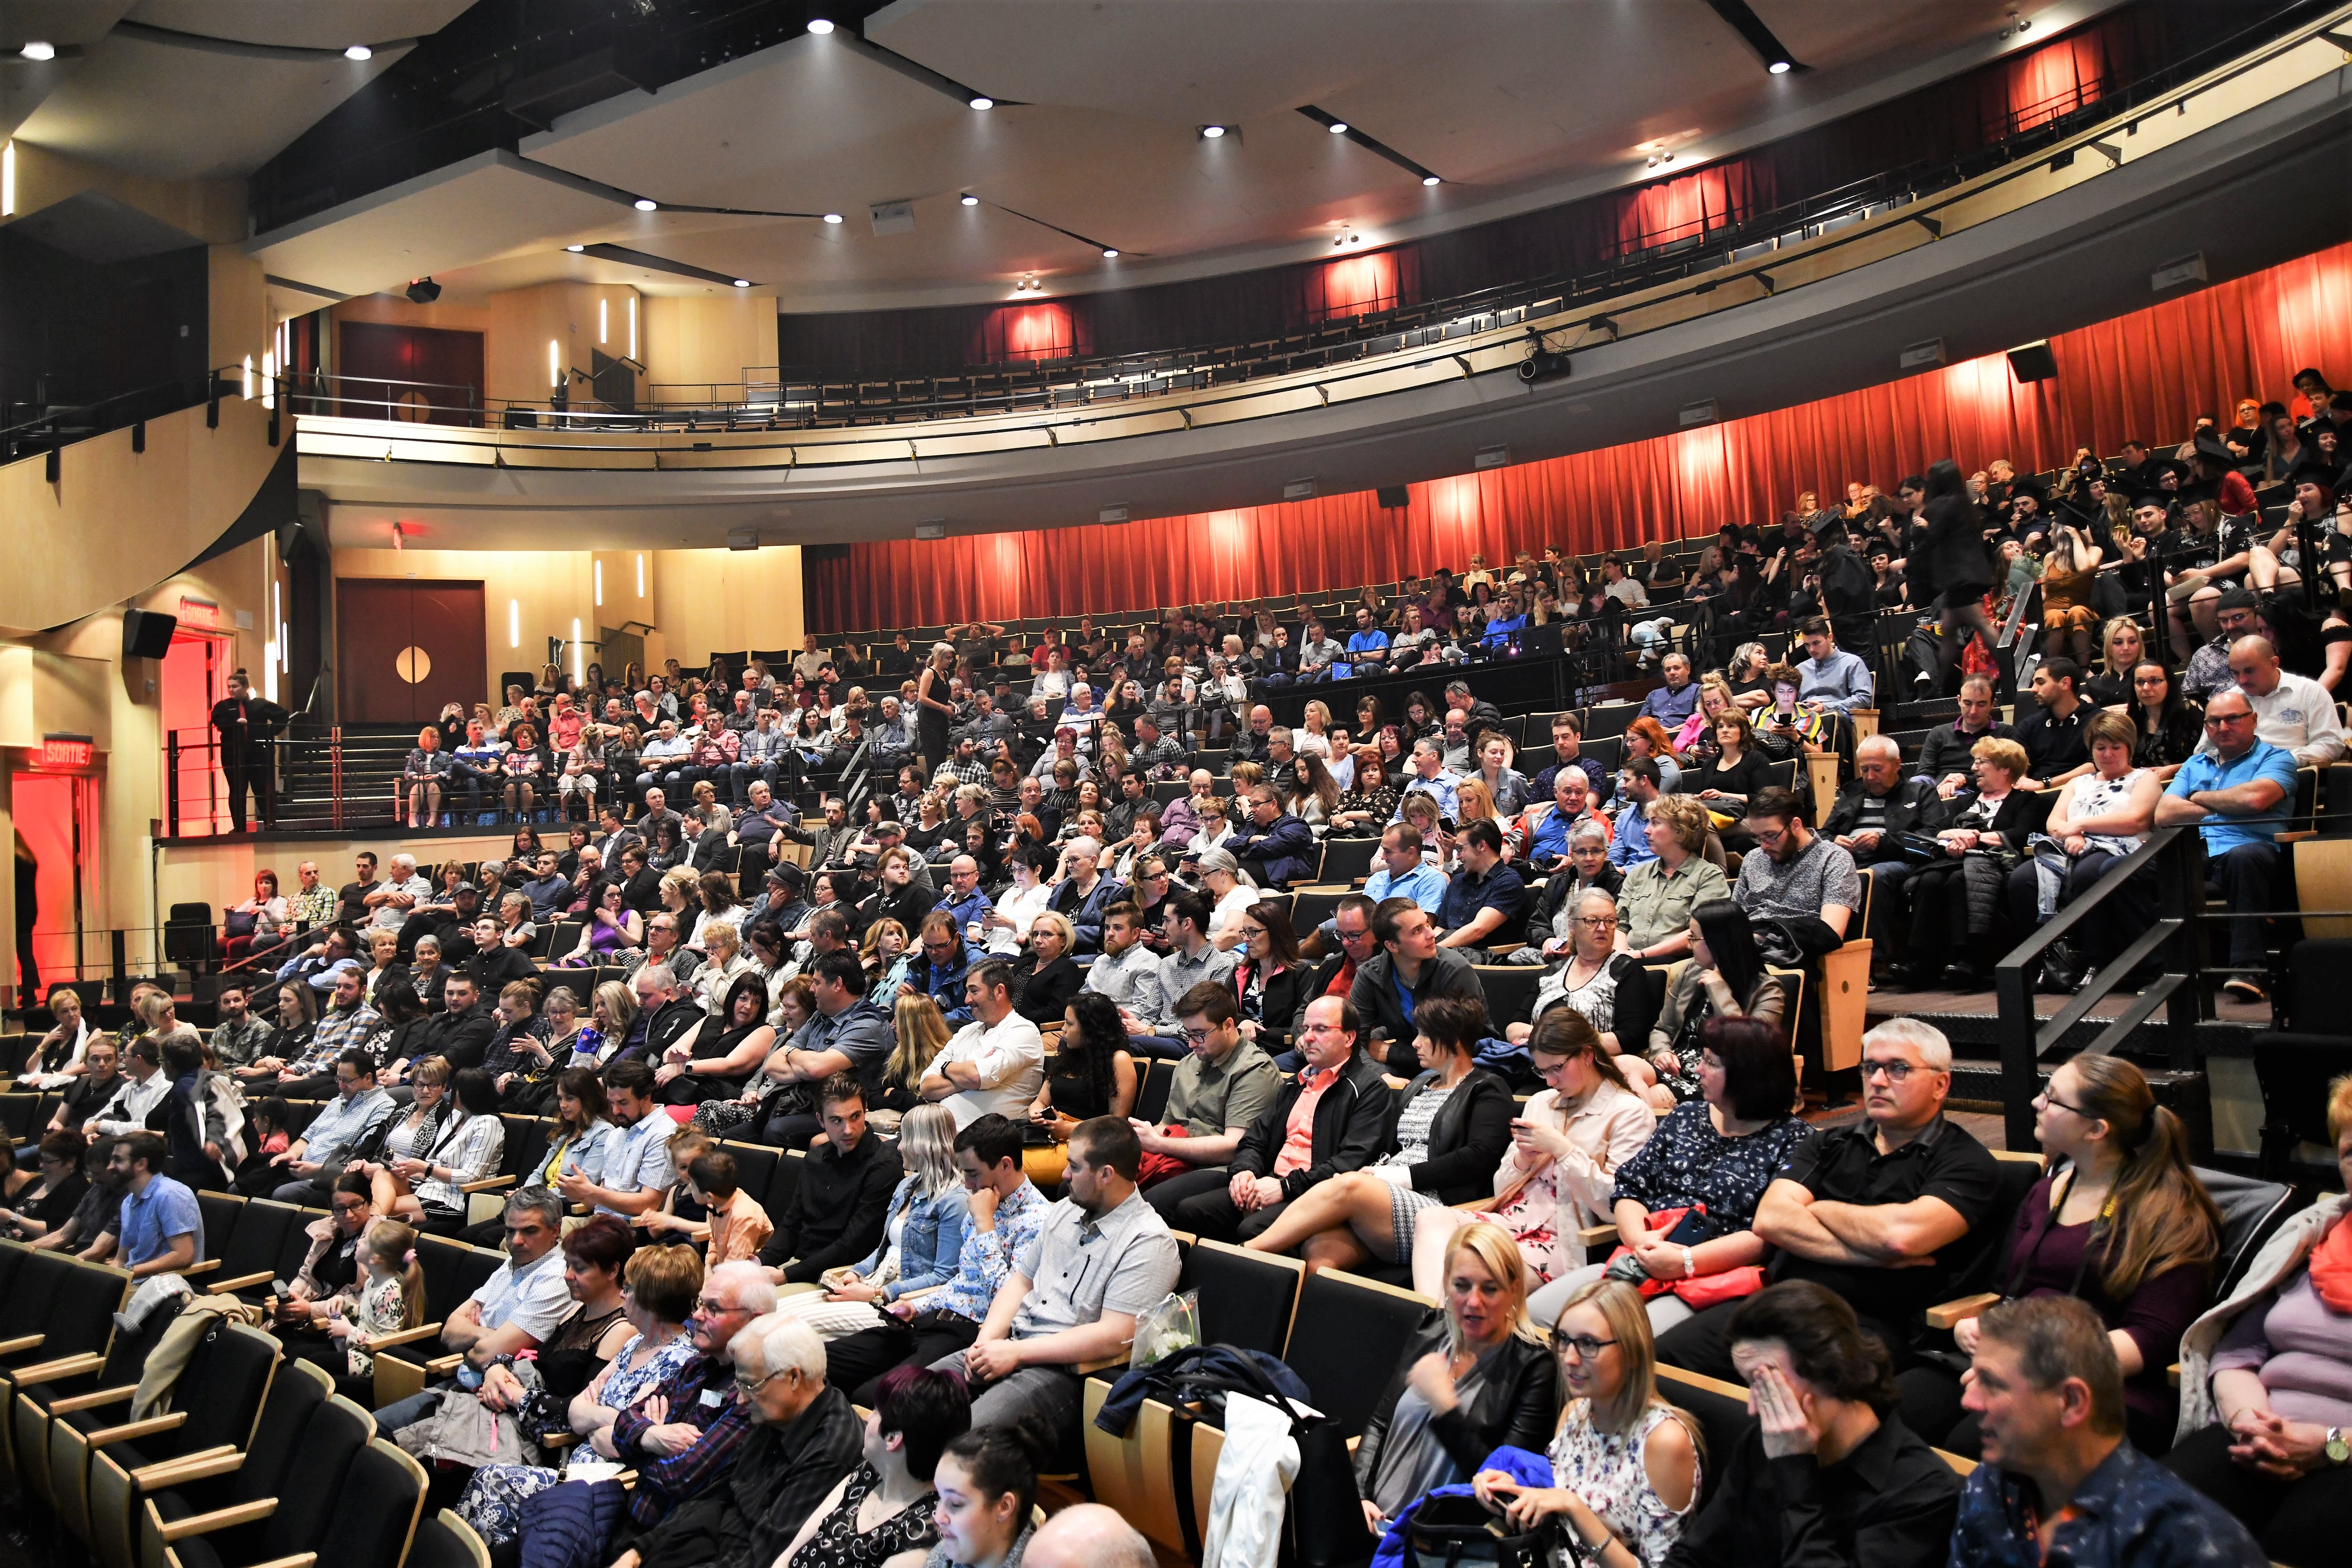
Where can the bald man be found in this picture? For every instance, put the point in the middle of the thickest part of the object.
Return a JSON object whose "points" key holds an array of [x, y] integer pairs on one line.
{"points": [[1088, 1535], [1868, 820], [2292, 712], [2238, 794]]}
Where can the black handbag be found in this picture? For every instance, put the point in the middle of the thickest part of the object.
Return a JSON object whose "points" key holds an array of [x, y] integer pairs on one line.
{"points": [[1457, 1529]]}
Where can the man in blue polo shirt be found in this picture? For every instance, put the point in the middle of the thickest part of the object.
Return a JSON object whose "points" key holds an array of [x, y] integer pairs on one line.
{"points": [[2237, 795], [1484, 900], [158, 1228], [1403, 873]]}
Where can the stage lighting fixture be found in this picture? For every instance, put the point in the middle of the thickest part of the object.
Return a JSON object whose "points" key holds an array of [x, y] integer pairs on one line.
{"points": [[970, 200], [983, 102], [1338, 128], [424, 291], [646, 204], [1541, 365], [37, 50], [833, 217], [819, 25], [1110, 252], [359, 52]]}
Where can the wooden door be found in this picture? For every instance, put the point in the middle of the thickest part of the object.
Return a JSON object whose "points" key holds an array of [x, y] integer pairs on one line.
{"points": [[406, 647], [417, 374]]}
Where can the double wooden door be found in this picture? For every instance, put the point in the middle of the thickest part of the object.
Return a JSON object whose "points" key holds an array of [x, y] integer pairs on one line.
{"points": [[405, 648]]}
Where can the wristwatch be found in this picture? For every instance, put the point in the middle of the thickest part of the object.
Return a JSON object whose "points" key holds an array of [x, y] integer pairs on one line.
{"points": [[2338, 1451]]}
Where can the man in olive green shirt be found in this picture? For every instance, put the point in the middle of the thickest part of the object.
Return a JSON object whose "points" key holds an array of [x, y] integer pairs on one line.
{"points": [[1219, 1088]]}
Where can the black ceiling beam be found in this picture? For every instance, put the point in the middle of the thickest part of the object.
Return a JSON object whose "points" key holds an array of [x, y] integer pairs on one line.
{"points": [[652, 263], [1369, 144], [1742, 19]]}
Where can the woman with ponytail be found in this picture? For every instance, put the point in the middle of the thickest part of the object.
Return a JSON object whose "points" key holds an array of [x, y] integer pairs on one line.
{"points": [[2117, 1219]]}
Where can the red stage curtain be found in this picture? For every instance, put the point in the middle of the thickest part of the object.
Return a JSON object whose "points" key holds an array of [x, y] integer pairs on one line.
{"points": [[1014, 333], [2146, 375], [1353, 286]]}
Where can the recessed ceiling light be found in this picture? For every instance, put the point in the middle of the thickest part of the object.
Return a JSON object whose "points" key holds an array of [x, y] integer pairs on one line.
{"points": [[1779, 68], [1338, 128], [971, 201], [833, 217], [742, 282], [819, 25], [983, 102], [1211, 132], [359, 52], [1110, 251], [575, 248], [37, 50], [646, 204], [1429, 179]]}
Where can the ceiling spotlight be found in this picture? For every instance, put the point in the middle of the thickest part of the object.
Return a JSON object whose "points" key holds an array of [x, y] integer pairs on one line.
{"points": [[1338, 128], [1653, 163], [1211, 132], [742, 282], [1429, 179], [1109, 252], [833, 217], [575, 249], [983, 102], [37, 50], [646, 204], [1666, 157], [970, 200], [1779, 68], [359, 52], [819, 25]]}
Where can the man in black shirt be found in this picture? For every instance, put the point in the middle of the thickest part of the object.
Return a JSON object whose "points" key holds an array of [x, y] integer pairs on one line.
{"points": [[246, 723], [2055, 739], [356, 911], [844, 1194], [461, 1033], [1868, 820], [1827, 1472], [1882, 1211]]}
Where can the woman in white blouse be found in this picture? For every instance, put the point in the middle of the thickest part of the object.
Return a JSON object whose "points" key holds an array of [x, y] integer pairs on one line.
{"points": [[1008, 923]]}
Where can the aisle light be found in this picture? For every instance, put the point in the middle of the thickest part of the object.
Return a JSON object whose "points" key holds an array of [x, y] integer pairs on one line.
{"points": [[603, 320], [8, 179], [600, 585], [248, 378], [577, 673], [514, 623]]}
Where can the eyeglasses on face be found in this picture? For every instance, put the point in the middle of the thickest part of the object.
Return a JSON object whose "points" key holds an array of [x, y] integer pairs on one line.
{"points": [[1585, 1346], [1894, 1072]]}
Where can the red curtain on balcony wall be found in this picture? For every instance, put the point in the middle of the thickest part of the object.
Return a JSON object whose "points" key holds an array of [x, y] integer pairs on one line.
{"points": [[2147, 375], [1353, 286], [1667, 210], [1014, 332]]}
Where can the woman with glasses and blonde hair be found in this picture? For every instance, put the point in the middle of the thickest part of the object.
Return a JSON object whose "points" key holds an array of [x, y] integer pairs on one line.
{"points": [[1474, 1380], [1625, 1464]]}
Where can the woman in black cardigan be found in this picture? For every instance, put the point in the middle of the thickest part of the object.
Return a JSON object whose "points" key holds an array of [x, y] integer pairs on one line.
{"points": [[1474, 1380], [1450, 1133], [1044, 985]]}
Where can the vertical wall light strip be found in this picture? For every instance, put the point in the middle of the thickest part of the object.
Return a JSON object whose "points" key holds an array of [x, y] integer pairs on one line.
{"points": [[641, 576], [554, 363], [514, 623], [577, 672], [268, 378], [8, 179], [632, 326], [248, 378], [600, 585], [603, 320]]}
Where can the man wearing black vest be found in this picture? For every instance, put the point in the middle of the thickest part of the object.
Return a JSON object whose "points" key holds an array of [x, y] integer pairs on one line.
{"points": [[246, 723]]}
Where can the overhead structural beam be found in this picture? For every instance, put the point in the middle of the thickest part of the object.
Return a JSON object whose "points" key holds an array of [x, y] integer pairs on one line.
{"points": [[1369, 143], [1742, 19]]}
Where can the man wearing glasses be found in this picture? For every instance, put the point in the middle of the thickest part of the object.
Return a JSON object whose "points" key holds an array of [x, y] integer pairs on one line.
{"points": [[1877, 1212], [1223, 1084], [2238, 795], [517, 1307]]}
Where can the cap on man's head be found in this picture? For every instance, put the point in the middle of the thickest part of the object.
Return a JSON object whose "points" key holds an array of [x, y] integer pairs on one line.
{"points": [[2236, 599]]}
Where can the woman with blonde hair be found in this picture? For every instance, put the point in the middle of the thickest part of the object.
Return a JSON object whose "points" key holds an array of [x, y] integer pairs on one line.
{"points": [[922, 1235], [922, 1031], [1695, 737], [885, 955], [612, 1013], [1313, 736], [1474, 1380], [1625, 1464]]}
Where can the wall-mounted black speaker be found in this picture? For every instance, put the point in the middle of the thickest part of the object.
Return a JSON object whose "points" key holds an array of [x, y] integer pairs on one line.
{"points": [[2033, 362], [147, 634], [1395, 496]]}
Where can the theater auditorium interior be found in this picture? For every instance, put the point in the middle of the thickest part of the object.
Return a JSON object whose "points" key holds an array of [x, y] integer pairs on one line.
{"points": [[953, 783]]}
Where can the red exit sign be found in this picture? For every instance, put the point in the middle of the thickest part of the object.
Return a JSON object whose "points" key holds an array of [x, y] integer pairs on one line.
{"points": [[65, 751]]}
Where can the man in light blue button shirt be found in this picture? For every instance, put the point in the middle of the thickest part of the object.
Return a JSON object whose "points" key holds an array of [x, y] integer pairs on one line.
{"points": [[516, 1309], [326, 1145], [160, 1227], [1428, 776], [637, 1169]]}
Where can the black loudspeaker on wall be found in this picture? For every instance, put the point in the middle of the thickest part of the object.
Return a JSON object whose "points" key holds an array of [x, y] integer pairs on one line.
{"points": [[1395, 496], [2033, 362], [147, 634]]}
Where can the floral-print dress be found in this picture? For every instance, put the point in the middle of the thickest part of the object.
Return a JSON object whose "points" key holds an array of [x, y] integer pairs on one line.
{"points": [[494, 1497], [839, 1543], [382, 1310], [1607, 1471]]}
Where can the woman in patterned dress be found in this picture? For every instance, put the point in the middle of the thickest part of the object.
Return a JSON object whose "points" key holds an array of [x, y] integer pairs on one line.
{"points": [[658, 1289], [880, 1514], [1625, 1464]]}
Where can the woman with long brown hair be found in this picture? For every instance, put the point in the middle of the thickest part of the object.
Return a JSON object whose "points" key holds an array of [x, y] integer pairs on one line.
{"points": [[2118, 1219]]}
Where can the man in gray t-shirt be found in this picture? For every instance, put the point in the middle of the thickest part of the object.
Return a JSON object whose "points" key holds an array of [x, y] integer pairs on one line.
{"points": [[1794, 873], [1103, 1257]]}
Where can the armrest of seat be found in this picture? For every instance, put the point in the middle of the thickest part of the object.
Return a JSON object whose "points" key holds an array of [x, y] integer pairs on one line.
{"points": [[2172, 1374], [2297, 836], [1591, 1236], [21, 1342], [492, 1184], [164, 1474], [192, 1269], [1945, 1314], [51, 1371], [129, 1430], [406, 1336], [292, 1560], [206, 1524], [242, 1282], [558, 1441], [442, 1366], [1103, 1363], [92, 1401]]}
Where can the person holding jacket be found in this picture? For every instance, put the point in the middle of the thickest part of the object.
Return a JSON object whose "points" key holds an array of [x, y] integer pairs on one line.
{"points": [[1453, 1127], [1333, 1116]]}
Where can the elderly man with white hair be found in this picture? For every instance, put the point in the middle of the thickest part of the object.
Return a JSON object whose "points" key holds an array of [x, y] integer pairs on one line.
{"points": [[1082, 892], [1881, 1212], [397, 895]]}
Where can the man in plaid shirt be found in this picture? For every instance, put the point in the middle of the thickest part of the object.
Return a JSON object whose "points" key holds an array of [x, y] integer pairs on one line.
{"points": [[1155, 755], [682, 1438]]}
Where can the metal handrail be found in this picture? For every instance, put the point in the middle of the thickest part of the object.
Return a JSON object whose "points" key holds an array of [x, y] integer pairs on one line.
{"points": [[2177, 854]]}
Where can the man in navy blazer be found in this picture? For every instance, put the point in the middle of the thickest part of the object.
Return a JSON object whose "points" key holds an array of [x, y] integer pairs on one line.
{"points": [[1276, 847]]}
